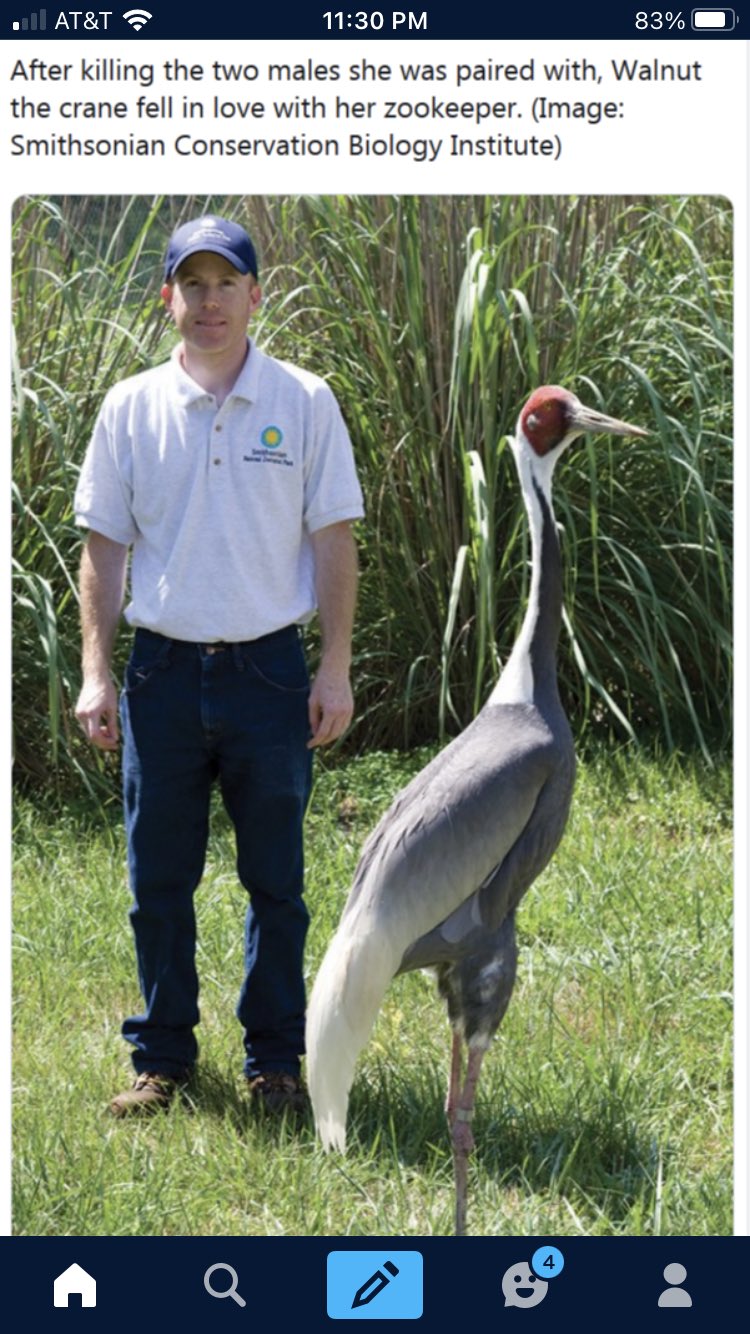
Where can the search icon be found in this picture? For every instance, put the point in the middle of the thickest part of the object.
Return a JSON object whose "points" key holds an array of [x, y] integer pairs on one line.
{"points": [[231, 1291]]}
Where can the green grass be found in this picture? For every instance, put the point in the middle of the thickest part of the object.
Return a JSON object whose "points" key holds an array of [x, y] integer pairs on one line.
{"points": [[432, 319], [604, 1105]]}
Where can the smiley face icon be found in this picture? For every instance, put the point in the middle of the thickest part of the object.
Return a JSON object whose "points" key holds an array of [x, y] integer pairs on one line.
{"points": [[522, 1287]]}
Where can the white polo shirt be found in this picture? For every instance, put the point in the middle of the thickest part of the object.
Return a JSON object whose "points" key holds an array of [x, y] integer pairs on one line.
{"points": [[219, 503]]}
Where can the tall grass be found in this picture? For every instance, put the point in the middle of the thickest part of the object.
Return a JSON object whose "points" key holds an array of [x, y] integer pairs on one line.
{"points": [[627, 303], [432, 318], [86, 314]]}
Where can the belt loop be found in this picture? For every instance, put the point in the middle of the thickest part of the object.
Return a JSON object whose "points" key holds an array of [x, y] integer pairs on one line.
{"points": [[239, 660]]}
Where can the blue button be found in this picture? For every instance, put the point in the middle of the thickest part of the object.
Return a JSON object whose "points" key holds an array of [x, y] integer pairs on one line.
{"points": [[547, 1262], [374, 1285]]}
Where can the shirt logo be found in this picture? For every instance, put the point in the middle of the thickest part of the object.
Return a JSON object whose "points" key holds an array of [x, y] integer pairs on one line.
{"points": [[271, 437]]}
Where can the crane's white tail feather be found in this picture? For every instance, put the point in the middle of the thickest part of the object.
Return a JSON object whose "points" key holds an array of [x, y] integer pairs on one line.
{"points": [[343, 1007]]}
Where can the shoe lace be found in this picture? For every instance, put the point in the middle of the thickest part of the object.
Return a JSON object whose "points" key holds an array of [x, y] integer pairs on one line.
{"points": [[149, 1080], [276, 1081]]}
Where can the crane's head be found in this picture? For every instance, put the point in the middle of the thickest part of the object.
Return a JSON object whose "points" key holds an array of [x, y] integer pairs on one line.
{"points": [[553, 418]]}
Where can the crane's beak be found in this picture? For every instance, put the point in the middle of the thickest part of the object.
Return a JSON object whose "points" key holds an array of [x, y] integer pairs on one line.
{"points": [[586, 419]]}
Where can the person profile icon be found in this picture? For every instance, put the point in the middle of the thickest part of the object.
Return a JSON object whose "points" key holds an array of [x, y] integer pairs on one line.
{"points": [[675, 1296]]}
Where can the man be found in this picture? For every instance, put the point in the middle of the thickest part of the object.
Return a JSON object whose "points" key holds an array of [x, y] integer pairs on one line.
{"points": [[230, 475]]}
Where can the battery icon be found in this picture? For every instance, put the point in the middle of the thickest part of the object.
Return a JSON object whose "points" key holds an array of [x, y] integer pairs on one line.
{"points": [[713, 20]]}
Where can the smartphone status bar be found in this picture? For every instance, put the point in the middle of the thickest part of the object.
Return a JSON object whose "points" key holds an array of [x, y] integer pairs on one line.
{"points": [[167, 21]]}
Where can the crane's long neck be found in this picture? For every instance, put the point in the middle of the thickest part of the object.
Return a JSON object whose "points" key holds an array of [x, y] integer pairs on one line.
{"points": [[530, 674]]}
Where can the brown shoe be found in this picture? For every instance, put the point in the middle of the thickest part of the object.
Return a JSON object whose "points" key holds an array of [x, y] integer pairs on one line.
{"points": [[151, 1092], [278, 1091]]}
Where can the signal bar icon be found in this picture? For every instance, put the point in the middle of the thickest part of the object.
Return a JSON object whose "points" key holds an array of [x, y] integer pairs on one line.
{"points": [[137, 18], [34, 23]]}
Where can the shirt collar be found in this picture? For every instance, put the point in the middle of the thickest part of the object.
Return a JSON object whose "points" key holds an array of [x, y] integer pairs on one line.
{"points": [[245, 386]]}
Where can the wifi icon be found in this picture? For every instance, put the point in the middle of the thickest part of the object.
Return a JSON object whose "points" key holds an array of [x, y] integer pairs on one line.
{"points": [[137, 18]]}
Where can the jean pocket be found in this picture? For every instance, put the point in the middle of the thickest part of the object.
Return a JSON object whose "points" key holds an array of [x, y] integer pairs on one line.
{"points": [[141, 667], [280, 665]]}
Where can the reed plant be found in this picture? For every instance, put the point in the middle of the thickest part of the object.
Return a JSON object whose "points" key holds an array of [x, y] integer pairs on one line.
{"points": [[432, 318]]}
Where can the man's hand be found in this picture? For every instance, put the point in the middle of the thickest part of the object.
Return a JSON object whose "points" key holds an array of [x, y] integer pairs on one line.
{"points": [[96, 711], [103, 565], [330, 706]]}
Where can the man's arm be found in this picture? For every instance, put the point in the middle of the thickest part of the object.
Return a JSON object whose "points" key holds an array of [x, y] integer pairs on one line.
{"points": [[331, 702], [102, 584]]}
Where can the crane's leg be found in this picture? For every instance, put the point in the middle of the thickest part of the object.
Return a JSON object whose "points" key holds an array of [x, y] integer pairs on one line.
{"points": [[477, 991], [461, 1135], [454, 1084]]}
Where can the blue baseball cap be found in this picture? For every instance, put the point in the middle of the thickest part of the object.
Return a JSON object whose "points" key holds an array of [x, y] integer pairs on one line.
{"points": [[210, 233]]}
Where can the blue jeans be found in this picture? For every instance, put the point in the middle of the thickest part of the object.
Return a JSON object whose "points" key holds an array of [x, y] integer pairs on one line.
{"points": [[192, 714]]}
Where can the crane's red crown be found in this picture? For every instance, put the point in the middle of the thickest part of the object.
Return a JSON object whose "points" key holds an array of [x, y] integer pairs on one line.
{"points": [[547, 417], [553, 417]]}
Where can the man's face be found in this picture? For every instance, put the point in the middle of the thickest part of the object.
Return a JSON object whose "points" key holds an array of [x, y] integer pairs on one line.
{"points": [[211, 303]]}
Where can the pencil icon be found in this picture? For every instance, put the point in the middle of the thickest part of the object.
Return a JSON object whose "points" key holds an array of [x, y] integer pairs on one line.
{"points": [[375, 1284]]}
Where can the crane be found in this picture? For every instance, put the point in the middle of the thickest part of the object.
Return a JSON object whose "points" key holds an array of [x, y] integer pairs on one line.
{"points": [[441, 876]]}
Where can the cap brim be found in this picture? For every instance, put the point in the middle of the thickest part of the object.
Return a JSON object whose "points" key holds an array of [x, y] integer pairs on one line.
{"points": [[212, 249]]}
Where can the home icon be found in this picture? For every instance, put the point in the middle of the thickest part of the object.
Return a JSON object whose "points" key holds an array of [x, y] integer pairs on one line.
{"points": [[75, 1279]]}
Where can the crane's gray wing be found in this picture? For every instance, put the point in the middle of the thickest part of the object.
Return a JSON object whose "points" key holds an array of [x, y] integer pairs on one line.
{"points": [[454, 825], [471, 930]]}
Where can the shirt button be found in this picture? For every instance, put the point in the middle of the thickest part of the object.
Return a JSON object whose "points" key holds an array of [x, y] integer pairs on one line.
{"points": [[217, 428], [217, 461]]}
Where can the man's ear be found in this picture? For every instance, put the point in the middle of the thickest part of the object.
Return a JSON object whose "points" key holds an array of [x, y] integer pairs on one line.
{"points": [[257, 296], [166, 295]]}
